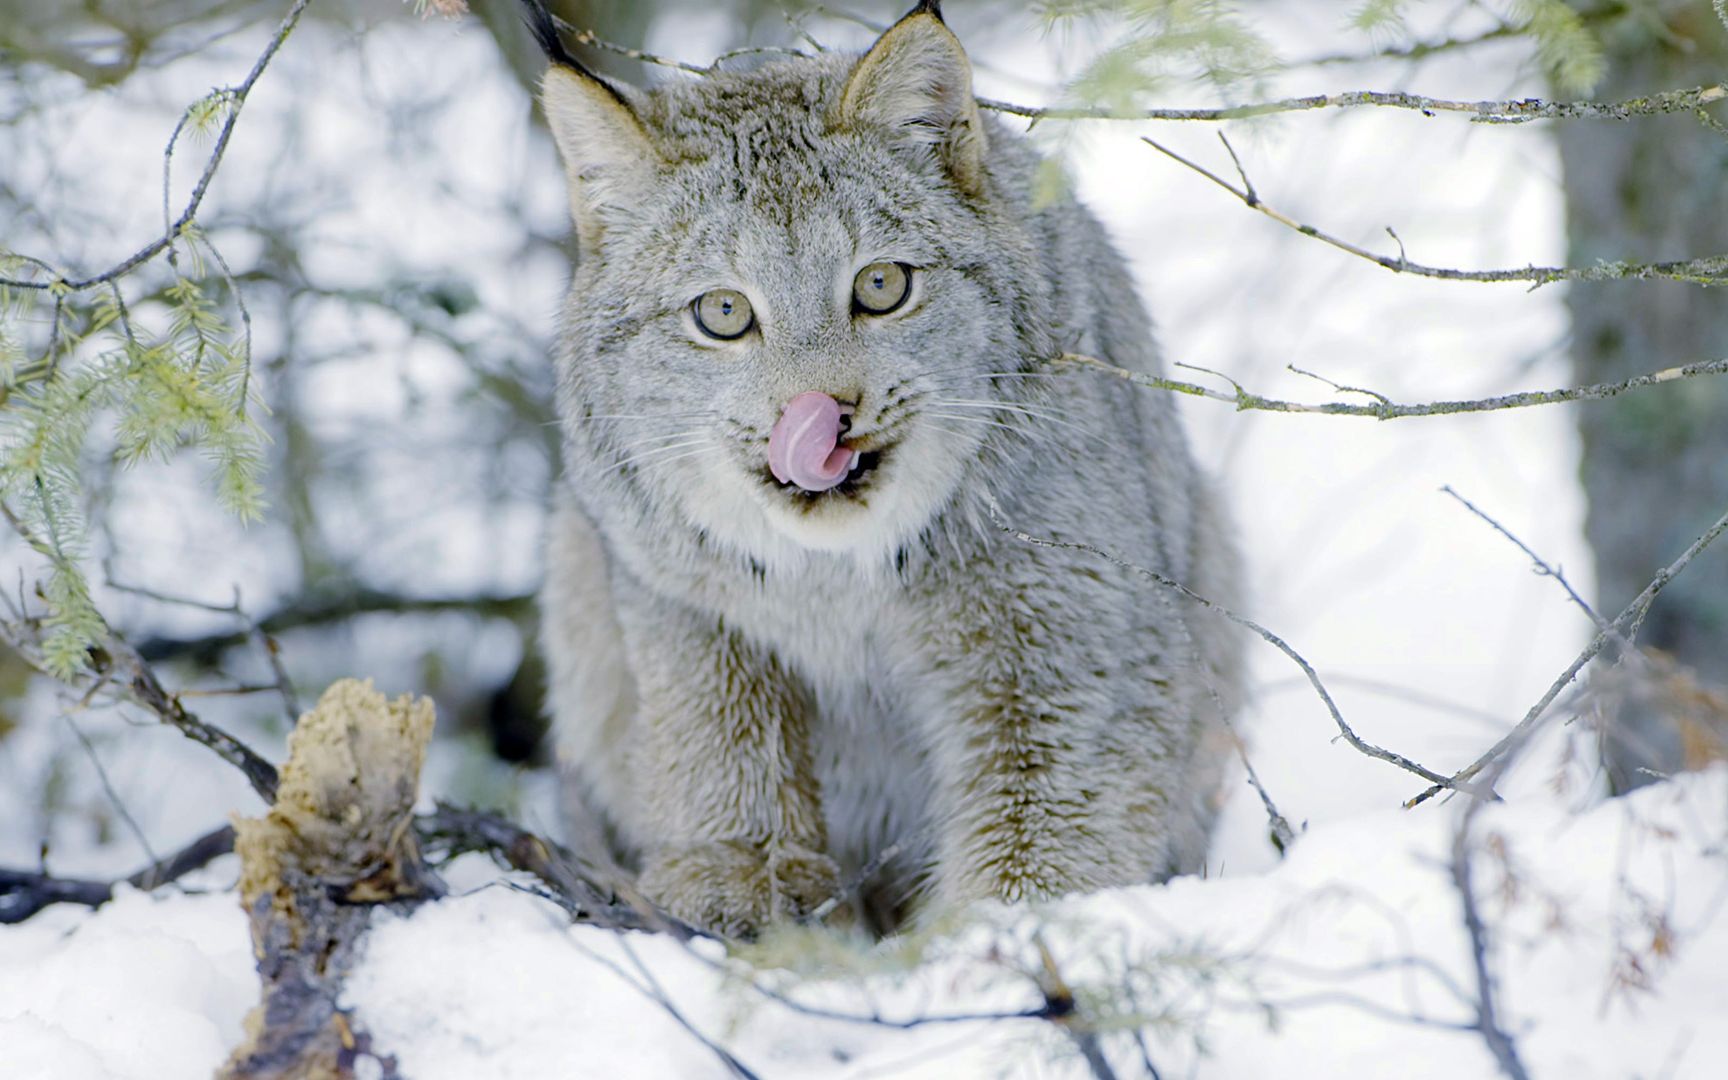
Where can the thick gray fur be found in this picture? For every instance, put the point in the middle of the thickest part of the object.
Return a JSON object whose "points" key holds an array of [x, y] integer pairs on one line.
{"points": [[758, 690]]}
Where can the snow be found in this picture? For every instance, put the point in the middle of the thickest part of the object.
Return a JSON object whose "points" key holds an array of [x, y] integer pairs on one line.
{"points": [[144, 988], [1348, 956]]}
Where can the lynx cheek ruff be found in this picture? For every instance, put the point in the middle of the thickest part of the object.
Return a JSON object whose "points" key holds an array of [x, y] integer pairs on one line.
{"points": [[804, 447]]}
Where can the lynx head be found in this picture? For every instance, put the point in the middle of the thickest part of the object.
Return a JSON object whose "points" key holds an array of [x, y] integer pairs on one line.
{"points": [[803, 290]]}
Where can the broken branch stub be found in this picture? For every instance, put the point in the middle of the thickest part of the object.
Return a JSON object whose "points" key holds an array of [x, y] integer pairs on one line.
{"points": [[339, 839]]}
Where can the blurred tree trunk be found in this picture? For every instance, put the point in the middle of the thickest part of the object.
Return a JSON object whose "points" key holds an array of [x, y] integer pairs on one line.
{"points": [[1655, 465]]}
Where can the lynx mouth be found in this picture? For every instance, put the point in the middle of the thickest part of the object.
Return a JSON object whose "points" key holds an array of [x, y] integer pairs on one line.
{"points": [[857, 483]]}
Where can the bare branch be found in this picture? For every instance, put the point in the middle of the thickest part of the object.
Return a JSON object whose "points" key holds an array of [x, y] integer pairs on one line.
{"points": [[1062, 1010], [24, 893], [1509, 111], [1494, 1034], [139, 684], [323, 610], [1705, 270], [1421, 50], [237, 98], [1512, 111], [119, 668], [283, 685], [651, 986], [1283, 836], [587, 893], [1542, 566], [1385, 409], [1712, 123], [1500, 1043], [1622, 626], [1344, 729], [108, 790], [594, 41]]}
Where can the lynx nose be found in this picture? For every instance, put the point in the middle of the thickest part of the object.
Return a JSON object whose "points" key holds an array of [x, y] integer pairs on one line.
{"points": [[804, 447]]}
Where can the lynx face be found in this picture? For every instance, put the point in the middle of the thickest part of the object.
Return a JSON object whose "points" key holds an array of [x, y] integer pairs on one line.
{"points": [[792, 316]]}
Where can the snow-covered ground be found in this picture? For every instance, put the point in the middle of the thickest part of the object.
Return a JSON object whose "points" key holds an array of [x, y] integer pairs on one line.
{"points": [[1348, 960]]}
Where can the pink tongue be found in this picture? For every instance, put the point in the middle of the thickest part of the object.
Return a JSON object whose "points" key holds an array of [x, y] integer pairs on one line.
{"points": [[804, 448]]}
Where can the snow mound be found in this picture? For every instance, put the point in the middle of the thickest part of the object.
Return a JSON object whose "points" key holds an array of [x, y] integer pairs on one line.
{"points": [[1347, 960]]}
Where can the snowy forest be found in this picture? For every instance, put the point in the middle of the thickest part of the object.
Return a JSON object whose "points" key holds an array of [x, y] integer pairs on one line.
{"points": [[1436, 288]]}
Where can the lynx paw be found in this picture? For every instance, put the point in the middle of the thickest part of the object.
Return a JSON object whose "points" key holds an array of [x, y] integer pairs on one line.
{"points": [[735, 889]]}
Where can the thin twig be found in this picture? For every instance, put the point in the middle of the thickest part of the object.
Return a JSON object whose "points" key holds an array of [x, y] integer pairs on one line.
{"points": [[141, 686], [1705, 270], [1622, 627], [1507, 111], [323, 610], [162, 243], [1063, 1011], [585, 892], [23, 894], [114, 799], [1542, 566], [1511, 111], [869, 870], [594, 41], [1245, 400], [1418, 51], [1712, 123], [1283, 836], [589, 894], [1494, 1034], [659, 996], [995, 511]]}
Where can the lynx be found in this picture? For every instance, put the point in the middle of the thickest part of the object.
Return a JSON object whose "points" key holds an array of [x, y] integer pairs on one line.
{"points": [[803, 381]]}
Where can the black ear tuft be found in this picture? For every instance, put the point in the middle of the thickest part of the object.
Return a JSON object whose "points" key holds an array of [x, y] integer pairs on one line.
{"points": [[929, 7], [545, 30], [544, 27]]}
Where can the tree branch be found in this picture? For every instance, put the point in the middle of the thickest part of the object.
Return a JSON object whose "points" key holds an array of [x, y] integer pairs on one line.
{"points": [[1344, 729], [1507, 111], [236, 96], [1705, 270], [1385, 409], [1511, 111], [1623, 626], [588, 894], [323, 610], [1542, 566], [1421, 50], [121, 664], [1488, 1023], [24, 893]]}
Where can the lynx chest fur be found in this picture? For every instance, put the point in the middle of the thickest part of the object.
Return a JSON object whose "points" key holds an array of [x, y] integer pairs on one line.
{"points": [[805, 386]]}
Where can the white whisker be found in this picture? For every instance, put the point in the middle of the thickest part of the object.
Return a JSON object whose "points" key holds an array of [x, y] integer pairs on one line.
{"points": [[986, 423], [650, 440], [633, 416], [701, 445], [999, 375], [645, 416], [1036, 412]]}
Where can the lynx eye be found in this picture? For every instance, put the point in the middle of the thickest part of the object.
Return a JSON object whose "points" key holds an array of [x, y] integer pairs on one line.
{"points": [[881, 287], [723, 313]]}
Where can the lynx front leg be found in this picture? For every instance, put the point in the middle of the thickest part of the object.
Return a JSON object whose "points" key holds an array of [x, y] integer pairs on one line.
{"points": [[1050, 784], [734, 832]]}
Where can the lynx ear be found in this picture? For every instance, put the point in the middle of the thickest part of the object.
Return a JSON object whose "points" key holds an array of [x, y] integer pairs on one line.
{"points": [[608, 157], [607, 154], [916, 82]]}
